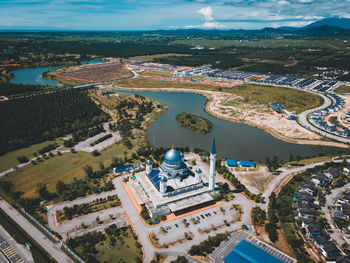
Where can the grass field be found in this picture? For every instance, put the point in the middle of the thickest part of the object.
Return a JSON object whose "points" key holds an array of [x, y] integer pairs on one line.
{"points": [[292, 99], [343, 89], [124, 249], [9, 160], [63, 168], [39, 255]]}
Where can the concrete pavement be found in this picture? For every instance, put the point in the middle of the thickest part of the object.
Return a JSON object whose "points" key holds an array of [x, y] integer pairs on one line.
{"points": [[53, 249]]}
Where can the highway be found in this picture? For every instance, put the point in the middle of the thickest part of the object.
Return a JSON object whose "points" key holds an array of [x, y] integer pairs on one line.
{"points": [[53, 249]]}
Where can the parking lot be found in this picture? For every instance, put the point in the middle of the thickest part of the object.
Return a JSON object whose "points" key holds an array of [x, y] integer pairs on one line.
{"points": [[199, 222]]}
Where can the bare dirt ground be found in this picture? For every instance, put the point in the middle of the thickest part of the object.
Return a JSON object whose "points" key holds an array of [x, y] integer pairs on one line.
{"points": [[91, 73], [256, 181]]}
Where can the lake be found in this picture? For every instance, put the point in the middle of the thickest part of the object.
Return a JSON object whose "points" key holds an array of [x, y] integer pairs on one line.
{"points": [[233, 140], [33, 76]]}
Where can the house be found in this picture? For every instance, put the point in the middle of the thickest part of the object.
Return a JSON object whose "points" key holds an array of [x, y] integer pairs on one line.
{"points": [[346, 210], [313, 230], [327, 248], [309, 187], [303, 198], [320, 180], [332, 174], [307, 213], [307, 221]]}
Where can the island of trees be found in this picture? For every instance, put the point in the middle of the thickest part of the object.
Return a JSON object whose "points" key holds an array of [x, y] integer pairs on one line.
{"points": [[194, 123]]}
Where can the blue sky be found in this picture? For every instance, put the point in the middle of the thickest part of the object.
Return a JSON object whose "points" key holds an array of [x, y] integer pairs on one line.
{"points": [[165, 14]]}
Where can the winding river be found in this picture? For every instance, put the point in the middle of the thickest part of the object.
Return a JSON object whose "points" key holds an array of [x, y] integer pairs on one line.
{"points": [[234, 140]]}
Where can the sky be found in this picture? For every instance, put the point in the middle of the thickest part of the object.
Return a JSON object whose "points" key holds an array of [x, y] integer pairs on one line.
{"points": [[165, 14]]}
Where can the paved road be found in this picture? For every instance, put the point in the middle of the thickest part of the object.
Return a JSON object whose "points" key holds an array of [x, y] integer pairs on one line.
{"points": [[54, 249], [337, 235], [303, 121]]}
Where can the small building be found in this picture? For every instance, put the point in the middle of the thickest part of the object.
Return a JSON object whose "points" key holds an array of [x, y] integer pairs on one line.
{"points": [[231, 163], [313, 230], [247, 164]]}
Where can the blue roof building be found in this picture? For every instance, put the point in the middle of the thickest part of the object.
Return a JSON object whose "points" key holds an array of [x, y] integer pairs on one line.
{"points": [[247, 163], [246, 252], [231, 163]]}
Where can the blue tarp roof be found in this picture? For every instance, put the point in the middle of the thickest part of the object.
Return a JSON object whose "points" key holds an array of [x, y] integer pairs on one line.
{"points": [[231, 162], [247, 163], [246, 252]]}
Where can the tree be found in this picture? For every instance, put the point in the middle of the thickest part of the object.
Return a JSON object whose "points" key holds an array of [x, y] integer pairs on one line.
{"points": [[60, 187], [22, 159], [43, 192]]}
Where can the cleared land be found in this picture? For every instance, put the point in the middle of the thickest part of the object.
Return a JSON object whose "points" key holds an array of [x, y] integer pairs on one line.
{"points": [[91, 73], [343, 89], [293, 100]]}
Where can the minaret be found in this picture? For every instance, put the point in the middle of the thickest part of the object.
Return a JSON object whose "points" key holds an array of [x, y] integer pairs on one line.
{"points": [[212, 167], [163, 185], [148, 167]]}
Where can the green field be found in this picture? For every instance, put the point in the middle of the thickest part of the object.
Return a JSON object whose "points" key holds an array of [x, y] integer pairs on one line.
{"points": [[125, 249], [61, 168], [9, 160], [39, 255]]}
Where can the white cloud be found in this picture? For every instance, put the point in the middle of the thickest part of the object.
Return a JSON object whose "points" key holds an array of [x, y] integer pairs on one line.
{"points": [[207, 12]]}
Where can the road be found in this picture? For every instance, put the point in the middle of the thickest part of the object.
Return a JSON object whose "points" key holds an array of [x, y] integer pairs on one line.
{"points": [[53, 249], [303, 121], [337, 235]]}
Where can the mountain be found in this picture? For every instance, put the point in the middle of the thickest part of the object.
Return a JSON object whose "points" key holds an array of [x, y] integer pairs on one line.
{"points": [[331, 21]]}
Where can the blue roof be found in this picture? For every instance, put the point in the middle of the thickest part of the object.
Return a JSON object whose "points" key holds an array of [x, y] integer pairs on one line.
{"points": [[246, 252], [172, 157], [231, 162], [154, 178], [247, 163], [123, 168], [149, 162], [213, 147], [198, 170]]}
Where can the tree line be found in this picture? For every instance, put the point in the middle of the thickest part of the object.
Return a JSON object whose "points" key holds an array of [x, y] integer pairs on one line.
{"points": [[34, 119]]}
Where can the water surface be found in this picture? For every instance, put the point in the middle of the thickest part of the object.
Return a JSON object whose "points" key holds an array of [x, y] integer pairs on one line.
{"points": [[233, 140], [33, 76]]}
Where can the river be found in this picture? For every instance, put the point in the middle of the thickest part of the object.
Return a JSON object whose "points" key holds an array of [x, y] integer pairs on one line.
{"points": [[234, 140]]}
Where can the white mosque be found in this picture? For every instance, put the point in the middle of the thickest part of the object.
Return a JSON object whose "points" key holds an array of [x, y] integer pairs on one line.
{"points": [[177, 185]]}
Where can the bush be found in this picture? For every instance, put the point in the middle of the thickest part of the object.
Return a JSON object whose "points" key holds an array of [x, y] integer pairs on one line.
{"points": [[22, 159]]}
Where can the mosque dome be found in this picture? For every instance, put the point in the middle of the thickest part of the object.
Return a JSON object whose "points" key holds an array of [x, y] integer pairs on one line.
{"points": [[172, 157]]}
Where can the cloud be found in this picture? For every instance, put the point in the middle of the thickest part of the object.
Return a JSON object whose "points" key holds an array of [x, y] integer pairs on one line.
{"points": [[207, 12]]}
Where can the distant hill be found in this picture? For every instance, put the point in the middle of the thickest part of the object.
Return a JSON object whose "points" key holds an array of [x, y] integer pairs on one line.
{"points": [[332, 22]]}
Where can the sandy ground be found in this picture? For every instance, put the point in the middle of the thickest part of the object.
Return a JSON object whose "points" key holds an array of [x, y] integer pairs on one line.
{"points": [[256, 181], [231, 107]]}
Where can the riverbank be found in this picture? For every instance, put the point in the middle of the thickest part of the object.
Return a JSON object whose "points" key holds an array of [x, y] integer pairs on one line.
{"points": [[212, 109]]}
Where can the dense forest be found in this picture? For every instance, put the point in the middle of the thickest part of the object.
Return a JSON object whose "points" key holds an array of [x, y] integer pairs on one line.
{"points": [[37, 118], [8, 89]]}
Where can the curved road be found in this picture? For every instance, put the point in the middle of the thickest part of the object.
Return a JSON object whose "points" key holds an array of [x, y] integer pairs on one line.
{"points": [[303, 121]]}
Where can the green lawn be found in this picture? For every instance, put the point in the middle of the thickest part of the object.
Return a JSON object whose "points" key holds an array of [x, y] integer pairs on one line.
{"points": [[124, 250], [9, 159], [63, 168], [39, 255]]}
